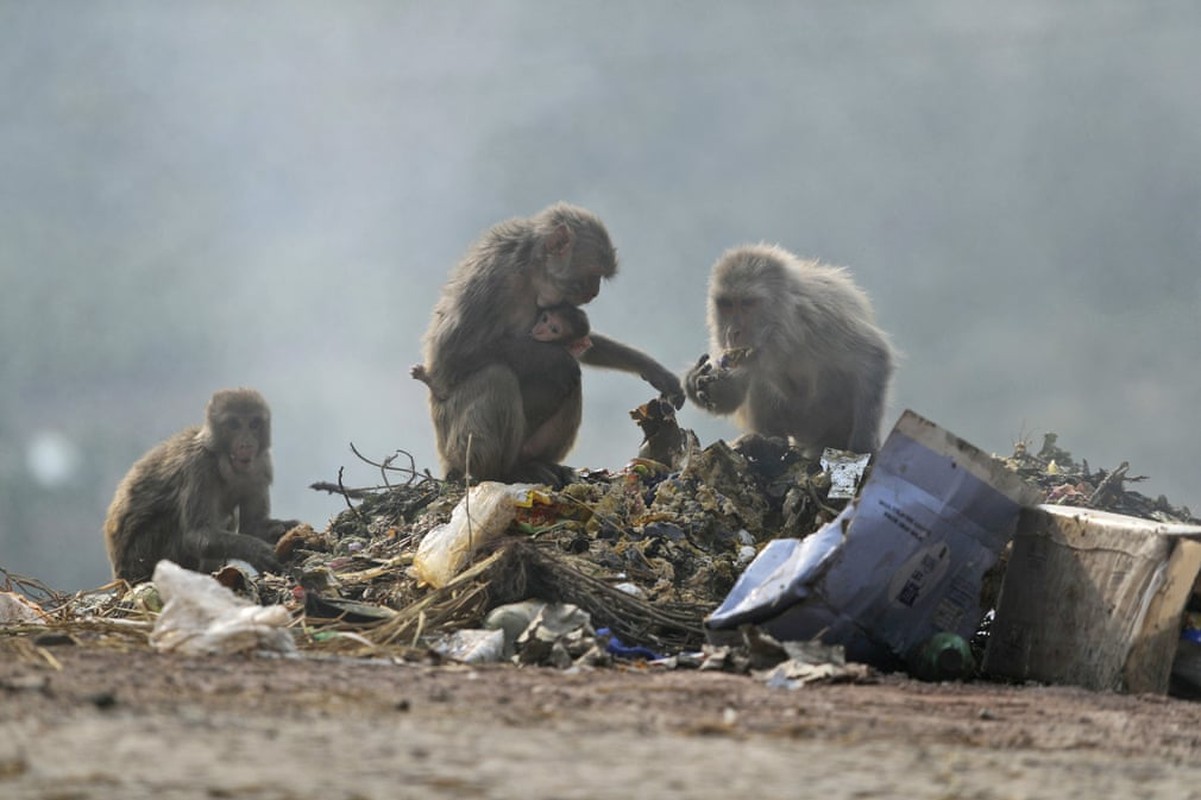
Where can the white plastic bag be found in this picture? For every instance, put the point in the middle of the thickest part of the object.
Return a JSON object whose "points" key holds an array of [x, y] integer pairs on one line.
{"points": [[200, 616], [446, 548]]}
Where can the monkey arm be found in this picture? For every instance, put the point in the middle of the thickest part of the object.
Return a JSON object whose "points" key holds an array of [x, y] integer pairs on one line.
{"points": [[254, 518], [611, 354], [211, 547], [202, 538]]}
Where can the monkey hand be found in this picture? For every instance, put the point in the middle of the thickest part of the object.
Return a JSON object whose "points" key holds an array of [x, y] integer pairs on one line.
{"points": [[272, 529], [697, 380], [717, 388], [667, 384], [260, 555]]}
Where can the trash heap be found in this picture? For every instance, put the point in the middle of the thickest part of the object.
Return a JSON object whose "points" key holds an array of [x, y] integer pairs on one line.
{"points": [[626, 563], [646, 551]]}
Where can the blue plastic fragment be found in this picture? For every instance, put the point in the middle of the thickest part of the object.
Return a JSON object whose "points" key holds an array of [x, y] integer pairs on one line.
{"points": [[619, 649]]}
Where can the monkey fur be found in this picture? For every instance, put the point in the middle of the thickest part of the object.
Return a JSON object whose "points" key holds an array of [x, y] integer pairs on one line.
{"points": [[794, 351], [477, 399], [201, 497]]}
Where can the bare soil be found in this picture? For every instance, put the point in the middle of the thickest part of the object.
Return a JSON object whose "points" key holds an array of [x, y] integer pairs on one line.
{"points": [[82, 721]]}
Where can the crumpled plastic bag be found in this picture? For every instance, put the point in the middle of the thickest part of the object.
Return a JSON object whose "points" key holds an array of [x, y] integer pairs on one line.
{"points": [[446, 548], [558, 634], [202, 617]]}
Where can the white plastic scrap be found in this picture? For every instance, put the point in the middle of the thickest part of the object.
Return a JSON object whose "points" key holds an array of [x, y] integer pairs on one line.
{"points": [[845, 470], [473, 645], [200, 616]]}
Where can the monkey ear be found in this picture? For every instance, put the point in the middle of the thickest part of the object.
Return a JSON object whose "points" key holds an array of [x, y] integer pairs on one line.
{"points": [[558, 242]]}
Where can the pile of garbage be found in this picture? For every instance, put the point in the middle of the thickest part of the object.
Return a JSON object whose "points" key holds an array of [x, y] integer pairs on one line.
{"points": [[623, 564]]}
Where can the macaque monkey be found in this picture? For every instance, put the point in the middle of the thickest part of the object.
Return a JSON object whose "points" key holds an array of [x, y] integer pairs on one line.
{"points": [[565, 324], [494, 295], [200, 497], [794, 352], [548, 376]]}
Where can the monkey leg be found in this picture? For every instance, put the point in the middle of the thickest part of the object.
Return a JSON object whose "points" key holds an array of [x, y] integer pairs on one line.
{"points": [[549, 444], [481, 418], [134, 554], [551, 439]]}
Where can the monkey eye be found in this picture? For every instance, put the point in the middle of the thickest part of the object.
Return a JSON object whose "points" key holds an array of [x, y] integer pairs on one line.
{"points": [[233, 423], [255, 424], [724, 303]]}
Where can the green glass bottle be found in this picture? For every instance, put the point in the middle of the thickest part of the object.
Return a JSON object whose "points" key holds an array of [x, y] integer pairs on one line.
{"points": [[945, 656]]}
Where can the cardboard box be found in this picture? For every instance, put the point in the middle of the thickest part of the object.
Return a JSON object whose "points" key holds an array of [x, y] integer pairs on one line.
{"points": [[1093, 599], [904, 561]]}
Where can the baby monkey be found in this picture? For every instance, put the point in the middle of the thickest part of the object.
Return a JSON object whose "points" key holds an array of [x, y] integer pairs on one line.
{"points": [[564, 325]]}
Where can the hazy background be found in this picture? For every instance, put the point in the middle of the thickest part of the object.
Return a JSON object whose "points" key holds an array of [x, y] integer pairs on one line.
{"points": [[200, 195]]}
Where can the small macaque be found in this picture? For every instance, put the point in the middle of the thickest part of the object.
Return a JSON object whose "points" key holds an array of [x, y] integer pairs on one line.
{"points": [[548, 371], [201, 497], [564, 324], [794, 352]]}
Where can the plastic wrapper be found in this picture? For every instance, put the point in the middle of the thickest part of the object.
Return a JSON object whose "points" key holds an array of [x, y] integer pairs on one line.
{"points": [[200, 617], [472, 646], [845, 470], [445, 549]]}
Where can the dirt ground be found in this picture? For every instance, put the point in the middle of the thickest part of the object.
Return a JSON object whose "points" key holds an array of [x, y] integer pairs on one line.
{"points": [[82, 721]]}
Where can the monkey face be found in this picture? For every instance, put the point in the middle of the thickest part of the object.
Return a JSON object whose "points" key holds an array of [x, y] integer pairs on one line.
{"points": [[738, 323], [561, 323], [583, 288], [242, 434], [579, 254], [575, 287], [239, 427], [548, 328]]}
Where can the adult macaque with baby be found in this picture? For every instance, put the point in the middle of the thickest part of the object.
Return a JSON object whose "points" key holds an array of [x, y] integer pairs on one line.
{"points": [[201, 497], [479, 401], [548, 371], [794, 352]]}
